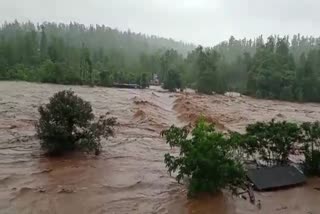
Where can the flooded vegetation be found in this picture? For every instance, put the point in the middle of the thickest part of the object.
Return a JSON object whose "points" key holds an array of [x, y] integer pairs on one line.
{"points": [[129, 176]]}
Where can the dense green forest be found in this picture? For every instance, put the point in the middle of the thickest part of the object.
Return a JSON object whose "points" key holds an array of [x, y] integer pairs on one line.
{"points": [[76, 54], [275, 67]]}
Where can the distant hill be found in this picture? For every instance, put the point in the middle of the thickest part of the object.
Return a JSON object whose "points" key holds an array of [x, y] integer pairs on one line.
{"points": [[97, 37], [65, 53]]}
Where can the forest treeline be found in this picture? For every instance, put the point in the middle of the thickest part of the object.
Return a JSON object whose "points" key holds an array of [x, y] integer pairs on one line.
{"points": [[275, 67]]}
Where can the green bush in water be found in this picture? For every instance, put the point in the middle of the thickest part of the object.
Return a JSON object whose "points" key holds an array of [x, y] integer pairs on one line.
{"points": [[271, 141], [206, 160], [311, 140], [67, 123]]}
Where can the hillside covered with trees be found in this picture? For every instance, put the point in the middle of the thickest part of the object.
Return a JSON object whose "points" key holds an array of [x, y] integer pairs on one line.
{"points": [[275, 67], [77, 54]]}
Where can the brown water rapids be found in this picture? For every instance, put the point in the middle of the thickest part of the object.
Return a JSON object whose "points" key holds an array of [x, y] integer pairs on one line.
{"points": [[129, 176]]}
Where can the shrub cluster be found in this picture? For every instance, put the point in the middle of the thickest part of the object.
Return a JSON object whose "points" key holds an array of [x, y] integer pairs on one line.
{"points": [[67, 123], [271, 141], [207, 159], [311, 142], [210, 161]]}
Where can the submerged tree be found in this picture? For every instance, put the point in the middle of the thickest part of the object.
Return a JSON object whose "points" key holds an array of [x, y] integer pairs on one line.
{"points": [[311, 139], [271, 141], [67, 123], [144, 81], [206, 160], [172, 81]]}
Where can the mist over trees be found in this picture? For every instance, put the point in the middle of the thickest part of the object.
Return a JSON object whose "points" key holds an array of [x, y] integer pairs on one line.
{"points": [[275, 67], [76, 54]]}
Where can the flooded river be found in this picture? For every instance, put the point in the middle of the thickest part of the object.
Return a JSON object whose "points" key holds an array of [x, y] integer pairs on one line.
{"points": [[129, 176]]}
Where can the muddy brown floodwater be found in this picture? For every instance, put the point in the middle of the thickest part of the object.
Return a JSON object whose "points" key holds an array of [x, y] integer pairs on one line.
{"points": [[129, 176]]}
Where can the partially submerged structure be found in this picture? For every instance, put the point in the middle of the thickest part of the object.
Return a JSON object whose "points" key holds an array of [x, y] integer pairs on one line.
{"points": [[275, 177]]}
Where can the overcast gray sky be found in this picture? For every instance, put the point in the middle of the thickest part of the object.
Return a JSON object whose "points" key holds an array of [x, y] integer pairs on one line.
{"points": [[205, 22]]}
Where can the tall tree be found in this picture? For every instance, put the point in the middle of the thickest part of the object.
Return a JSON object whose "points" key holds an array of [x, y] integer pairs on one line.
{"points": [[43, 44]]}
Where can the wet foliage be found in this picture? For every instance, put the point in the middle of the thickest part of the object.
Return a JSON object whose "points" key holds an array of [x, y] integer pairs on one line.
{"points": [[207, 160], [271, 141], [210, 161], [311, 139], [67, 123], [172, 82], [144, 81], [273, 68]]}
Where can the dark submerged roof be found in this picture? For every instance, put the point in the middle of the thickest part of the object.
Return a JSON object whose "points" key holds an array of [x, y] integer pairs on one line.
{"points": [[275, 177]]}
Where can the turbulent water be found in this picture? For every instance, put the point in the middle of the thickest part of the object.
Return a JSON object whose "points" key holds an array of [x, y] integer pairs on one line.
{"points": [[129, 176]]}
